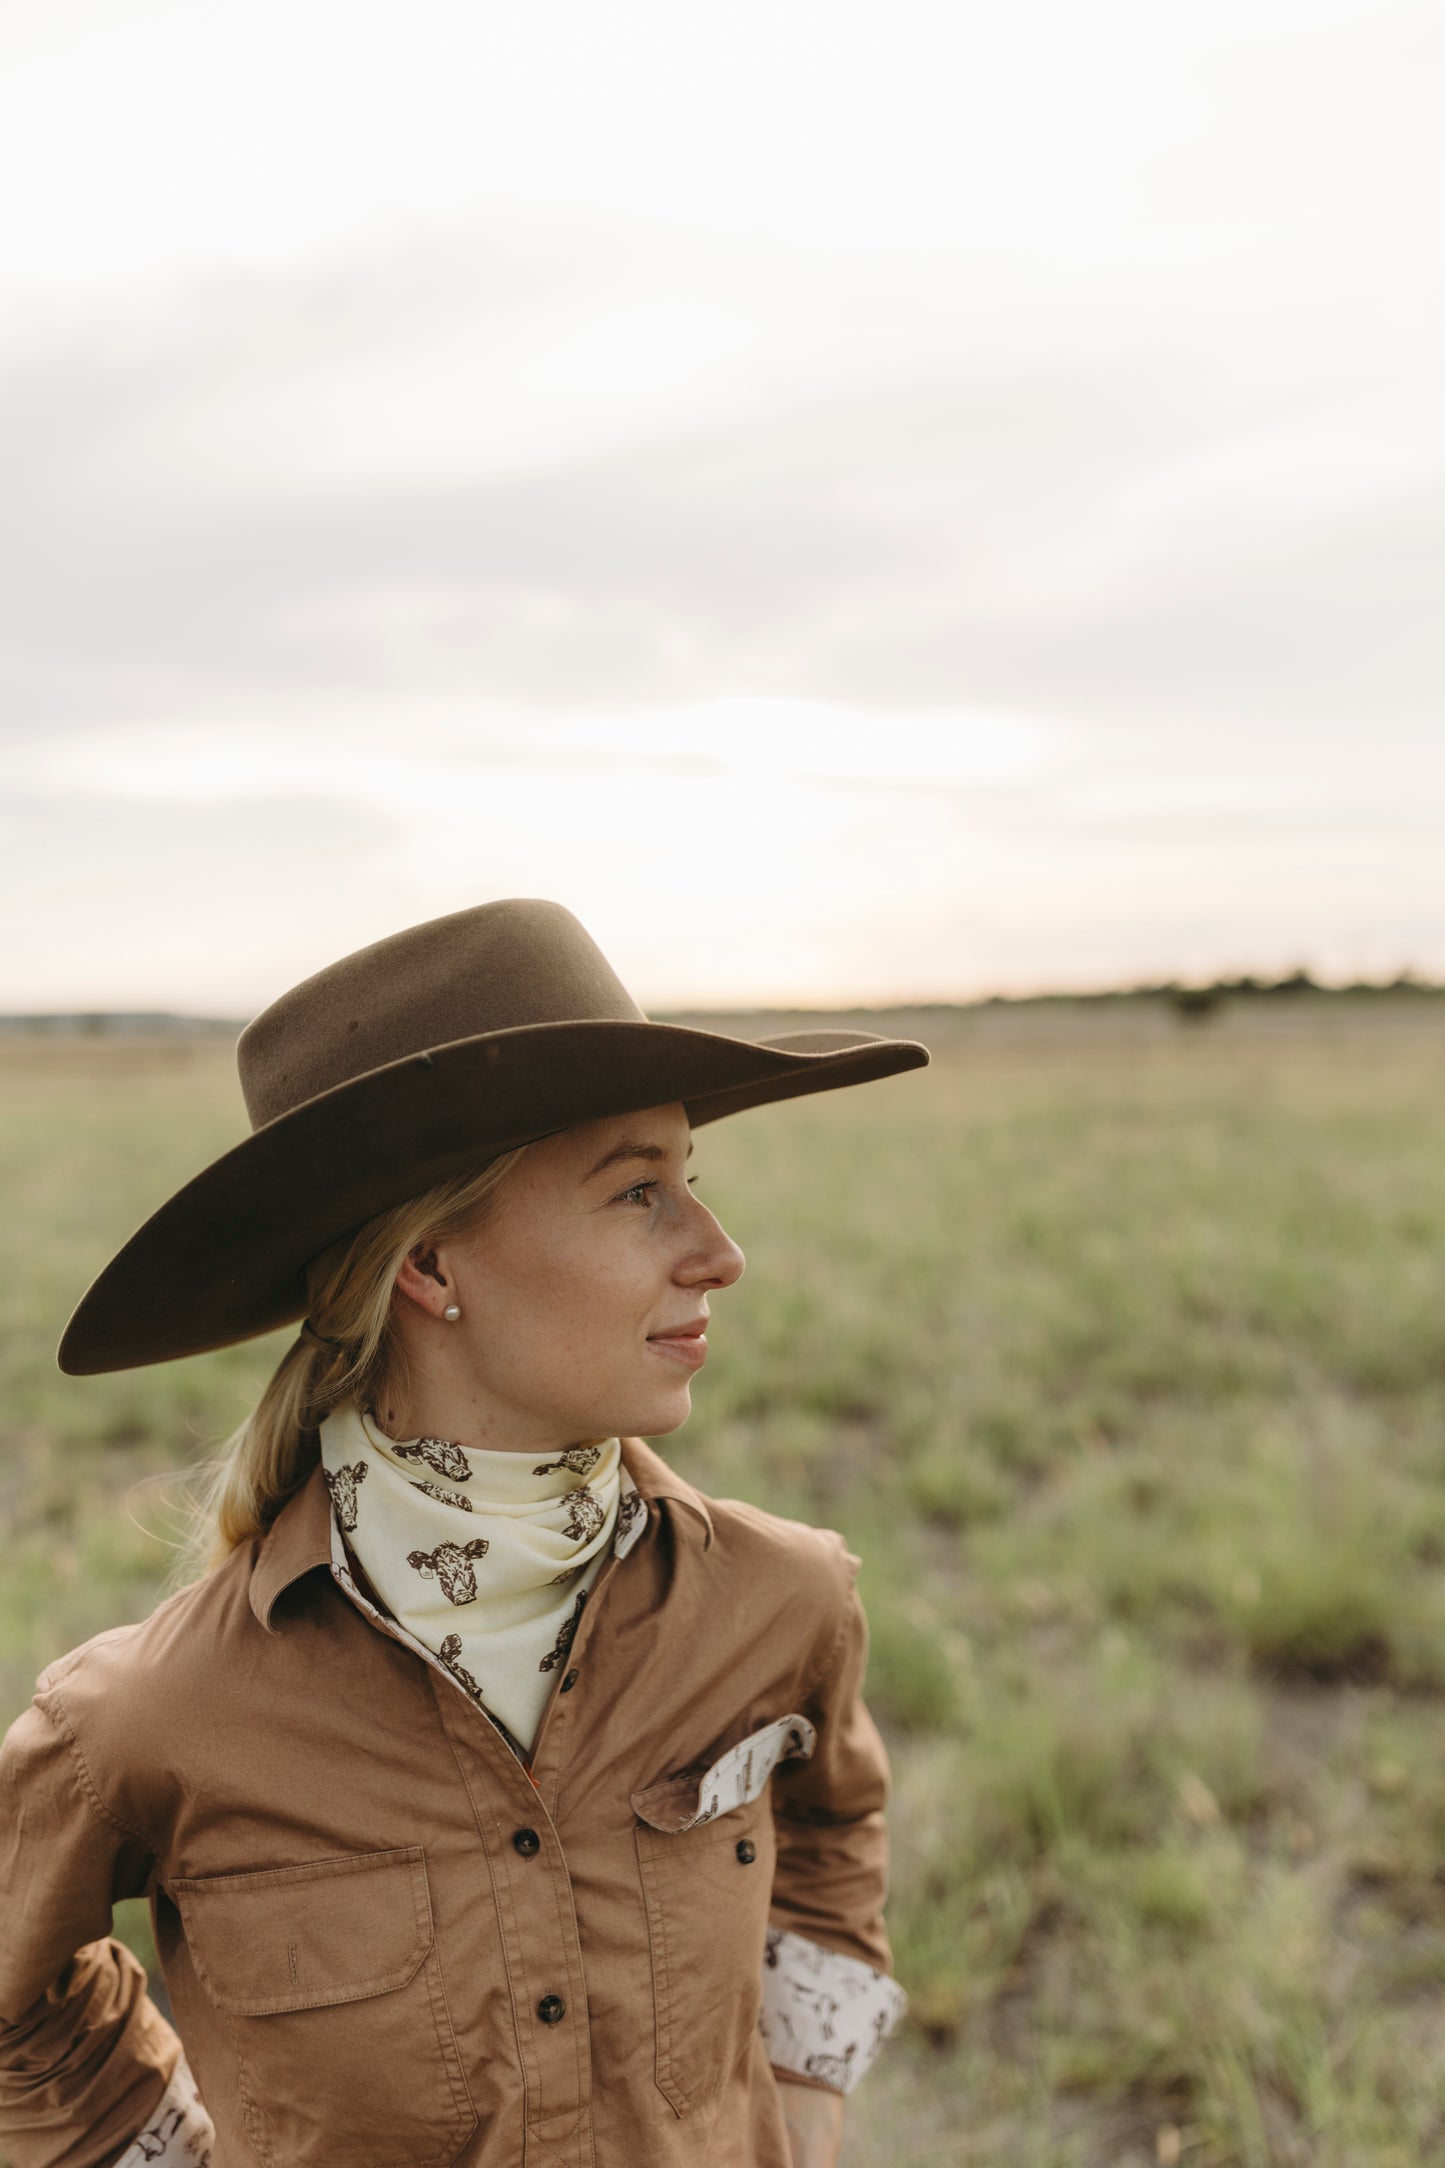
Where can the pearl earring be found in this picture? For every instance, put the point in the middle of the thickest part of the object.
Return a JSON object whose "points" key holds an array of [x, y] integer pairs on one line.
{"points": [[451, 1313]]}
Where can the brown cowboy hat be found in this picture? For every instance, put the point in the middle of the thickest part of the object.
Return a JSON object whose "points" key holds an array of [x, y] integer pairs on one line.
{"points": [[399, 1066]]}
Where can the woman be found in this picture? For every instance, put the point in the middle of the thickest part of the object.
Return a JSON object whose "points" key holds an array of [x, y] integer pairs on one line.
{"points": [[501, 1799]]}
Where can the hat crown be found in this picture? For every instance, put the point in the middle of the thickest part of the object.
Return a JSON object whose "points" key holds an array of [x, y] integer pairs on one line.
{"points": [[495, 967]]}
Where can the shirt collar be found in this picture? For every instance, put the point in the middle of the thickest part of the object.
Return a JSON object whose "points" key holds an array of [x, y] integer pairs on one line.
{"points": [[655, 1478], [300, 1536]]}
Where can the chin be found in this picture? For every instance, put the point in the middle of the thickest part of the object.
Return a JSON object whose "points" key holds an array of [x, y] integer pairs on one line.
{"points": [[662, 1423], [649, 1419]]}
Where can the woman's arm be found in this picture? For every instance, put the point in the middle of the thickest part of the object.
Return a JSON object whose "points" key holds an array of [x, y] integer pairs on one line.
{"points": [[814, 2117], [828, 2000], [85, 2056]]}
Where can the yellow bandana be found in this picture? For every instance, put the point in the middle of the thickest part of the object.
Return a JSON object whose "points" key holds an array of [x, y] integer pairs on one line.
{"points": [[485, 1556]]}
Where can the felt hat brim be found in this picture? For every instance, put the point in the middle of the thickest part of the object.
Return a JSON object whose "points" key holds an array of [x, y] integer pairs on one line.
{"points": [[223, 1259]]}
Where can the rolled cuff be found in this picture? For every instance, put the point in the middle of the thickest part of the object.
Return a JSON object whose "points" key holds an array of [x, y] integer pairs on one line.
{"points": [[179, 2134], [824, 2017]]}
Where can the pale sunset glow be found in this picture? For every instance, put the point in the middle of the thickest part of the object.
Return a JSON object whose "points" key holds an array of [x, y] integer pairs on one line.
{"points": [[880, 505]]}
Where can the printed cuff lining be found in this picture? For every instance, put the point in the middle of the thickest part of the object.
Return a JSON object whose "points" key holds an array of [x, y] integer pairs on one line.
{"points": [[823, 2015], [180, 2133]]}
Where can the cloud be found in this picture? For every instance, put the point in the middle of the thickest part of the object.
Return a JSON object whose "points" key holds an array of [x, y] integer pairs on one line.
{"points": [[1067, 542]]}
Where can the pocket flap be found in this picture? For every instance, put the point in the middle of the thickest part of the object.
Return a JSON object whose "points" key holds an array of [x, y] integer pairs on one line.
{"points": [[294, 1938], [739, 1775]]}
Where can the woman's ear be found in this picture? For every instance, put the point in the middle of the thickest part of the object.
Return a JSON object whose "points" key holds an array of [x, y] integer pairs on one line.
{"points": [[421, 1276]]}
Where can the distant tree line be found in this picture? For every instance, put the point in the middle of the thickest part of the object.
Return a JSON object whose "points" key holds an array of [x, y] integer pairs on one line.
{"points": [[1191, 1001], [1204, 998], [1194, 1003], [116, 1024]]}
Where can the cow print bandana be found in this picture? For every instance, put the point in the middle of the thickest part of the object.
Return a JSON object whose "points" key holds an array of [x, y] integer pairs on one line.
{"points": [[485, 1556]]}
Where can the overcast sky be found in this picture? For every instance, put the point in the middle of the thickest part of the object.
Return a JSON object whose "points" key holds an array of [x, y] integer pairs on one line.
{"points": [[858, 502]]}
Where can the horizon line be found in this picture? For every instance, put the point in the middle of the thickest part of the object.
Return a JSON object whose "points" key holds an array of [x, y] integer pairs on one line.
{"points": [[1245, 985]]}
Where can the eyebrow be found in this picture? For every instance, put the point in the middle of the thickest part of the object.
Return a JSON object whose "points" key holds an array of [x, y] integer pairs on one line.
{"points": [[629, 1149]]}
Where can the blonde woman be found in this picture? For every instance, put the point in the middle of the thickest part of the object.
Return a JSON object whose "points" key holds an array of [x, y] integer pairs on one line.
{"points": [[501, 1799]]}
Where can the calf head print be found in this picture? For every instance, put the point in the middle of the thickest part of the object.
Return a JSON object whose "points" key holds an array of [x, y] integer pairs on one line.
{"points": [[629, 1505], [155, 2141], [450, 1653], [565, 1635], [447, 1497], [343, 1487], [585, 1515], [440, 1455], [579, 1459], [451, 1564], [832, 2069], [823, 2006]]}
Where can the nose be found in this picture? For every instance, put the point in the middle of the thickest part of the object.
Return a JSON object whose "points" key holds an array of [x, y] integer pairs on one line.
{"points": [[716, 1261]]}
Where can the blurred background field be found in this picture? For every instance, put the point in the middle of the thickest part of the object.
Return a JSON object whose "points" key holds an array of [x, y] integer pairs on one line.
{"points": [[1114, 1343]]}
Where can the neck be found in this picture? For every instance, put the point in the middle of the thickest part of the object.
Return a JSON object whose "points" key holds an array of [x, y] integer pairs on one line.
{"points": [[438, 1417]]}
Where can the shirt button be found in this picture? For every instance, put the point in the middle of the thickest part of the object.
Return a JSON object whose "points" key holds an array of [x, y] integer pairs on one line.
{"points": [[551, 2009], [569, 1682], [747, 1851], [528, 1843]]}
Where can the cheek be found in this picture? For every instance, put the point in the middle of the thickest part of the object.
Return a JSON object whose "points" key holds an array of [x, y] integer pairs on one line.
{"points": [[561, 1290]]}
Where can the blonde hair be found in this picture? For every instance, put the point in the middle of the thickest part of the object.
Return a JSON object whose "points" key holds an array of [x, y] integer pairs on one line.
{"points": [[349, 1302]]}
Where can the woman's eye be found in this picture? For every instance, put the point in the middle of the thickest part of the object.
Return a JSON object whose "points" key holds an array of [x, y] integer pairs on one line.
{"points": [[638, 1192]]}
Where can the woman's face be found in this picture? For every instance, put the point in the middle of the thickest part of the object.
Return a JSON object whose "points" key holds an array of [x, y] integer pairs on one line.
{"points": [[583, 1297]]}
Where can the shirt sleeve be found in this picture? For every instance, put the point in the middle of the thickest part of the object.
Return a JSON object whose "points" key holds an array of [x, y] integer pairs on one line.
{"points": [[85, 2056], [829, 2001]]}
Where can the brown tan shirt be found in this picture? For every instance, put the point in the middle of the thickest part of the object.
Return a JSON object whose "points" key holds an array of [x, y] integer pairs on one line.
{"points": [[389, 1939]]}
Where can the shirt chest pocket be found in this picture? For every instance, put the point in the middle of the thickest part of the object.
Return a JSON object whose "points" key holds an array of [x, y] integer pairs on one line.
{"points": [[705, 1855], [327, 1977]]}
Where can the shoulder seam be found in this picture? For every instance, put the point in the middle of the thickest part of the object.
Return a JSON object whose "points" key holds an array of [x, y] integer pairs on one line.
{"points": [[834, 1656], [60, 1719], [837, 1570]]}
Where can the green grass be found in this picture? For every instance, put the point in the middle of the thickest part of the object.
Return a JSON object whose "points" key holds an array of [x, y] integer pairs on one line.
{"points": [[1116, 1348]]}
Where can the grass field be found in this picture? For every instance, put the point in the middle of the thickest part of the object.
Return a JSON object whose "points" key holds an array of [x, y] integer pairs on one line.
{"points": [[1115, 1345]]}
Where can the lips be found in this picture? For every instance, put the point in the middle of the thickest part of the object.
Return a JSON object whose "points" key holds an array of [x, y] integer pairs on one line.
{"points": [[686, 1344]]}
